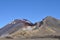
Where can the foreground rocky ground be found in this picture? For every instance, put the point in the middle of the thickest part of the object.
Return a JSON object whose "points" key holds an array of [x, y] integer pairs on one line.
{"points": [[32, 39]]}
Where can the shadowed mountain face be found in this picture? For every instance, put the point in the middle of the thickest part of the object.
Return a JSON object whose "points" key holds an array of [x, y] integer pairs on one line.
{"points": [[48, 26]]}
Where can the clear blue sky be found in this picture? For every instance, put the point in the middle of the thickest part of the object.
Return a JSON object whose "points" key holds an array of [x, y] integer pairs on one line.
{"points": [[33, 10]]}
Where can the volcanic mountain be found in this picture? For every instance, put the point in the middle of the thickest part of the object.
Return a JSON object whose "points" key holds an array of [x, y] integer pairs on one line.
{"points": [[14, 26], [48, 26]]}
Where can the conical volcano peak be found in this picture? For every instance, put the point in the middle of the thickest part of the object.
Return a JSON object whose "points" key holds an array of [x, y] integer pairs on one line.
{"points": [[50, 18]]}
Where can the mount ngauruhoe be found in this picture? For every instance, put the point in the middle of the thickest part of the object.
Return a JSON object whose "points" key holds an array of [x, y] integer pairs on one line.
{"points": [[23, 28]]}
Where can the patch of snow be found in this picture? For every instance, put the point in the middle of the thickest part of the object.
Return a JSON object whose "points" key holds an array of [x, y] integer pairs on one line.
{"points": [[27, 28], [26, 20], [12, 23]]}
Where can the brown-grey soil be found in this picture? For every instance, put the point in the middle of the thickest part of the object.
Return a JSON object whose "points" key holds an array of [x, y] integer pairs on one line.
{"points": [[31, 39]]}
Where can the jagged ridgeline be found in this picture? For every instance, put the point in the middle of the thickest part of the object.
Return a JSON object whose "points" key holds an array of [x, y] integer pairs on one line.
{"points": [[24, 28]]}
